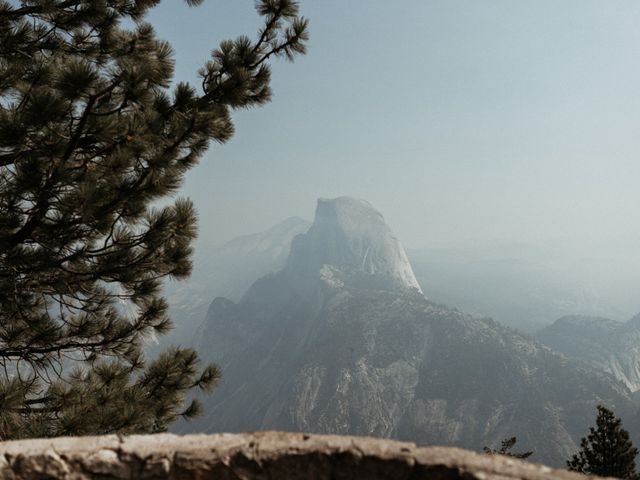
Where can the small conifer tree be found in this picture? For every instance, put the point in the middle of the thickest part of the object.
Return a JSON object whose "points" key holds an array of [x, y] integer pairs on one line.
{"points": [[505, 449], [91, 137], [607, 450]]}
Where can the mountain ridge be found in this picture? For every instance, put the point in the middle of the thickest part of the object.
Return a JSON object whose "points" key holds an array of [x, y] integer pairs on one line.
{"points": [[333, 348], [610, 345]]}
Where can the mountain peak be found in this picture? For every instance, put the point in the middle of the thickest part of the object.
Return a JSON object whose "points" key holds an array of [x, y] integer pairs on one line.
{"points": [[350, 234]]}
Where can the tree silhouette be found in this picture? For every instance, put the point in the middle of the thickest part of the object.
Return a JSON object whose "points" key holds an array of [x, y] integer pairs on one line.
{"points": [[505, 449], [607, 450]]}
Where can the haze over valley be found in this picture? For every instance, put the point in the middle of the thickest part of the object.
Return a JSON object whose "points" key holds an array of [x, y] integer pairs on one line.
{"points": [[431, 233], [524, 285], [324, 327]]}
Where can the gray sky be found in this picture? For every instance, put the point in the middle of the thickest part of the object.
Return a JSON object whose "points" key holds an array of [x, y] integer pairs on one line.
{"points": [[458, 120]]}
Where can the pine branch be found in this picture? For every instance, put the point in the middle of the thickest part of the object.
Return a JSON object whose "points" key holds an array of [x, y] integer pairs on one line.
{"points": [[90, 141]]}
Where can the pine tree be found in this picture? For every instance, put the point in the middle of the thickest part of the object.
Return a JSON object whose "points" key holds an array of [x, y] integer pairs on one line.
{"points": [[505, 449], [607, 450], [92, 136]]}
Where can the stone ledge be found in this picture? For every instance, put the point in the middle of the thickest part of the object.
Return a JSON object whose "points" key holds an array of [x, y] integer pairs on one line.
{"points": [[259, 456]]}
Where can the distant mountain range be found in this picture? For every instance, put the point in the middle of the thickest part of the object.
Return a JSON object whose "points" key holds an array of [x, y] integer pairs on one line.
{"points": [[528, 286], [525, 286], [228, 270], [603, 343], [341, 340]]}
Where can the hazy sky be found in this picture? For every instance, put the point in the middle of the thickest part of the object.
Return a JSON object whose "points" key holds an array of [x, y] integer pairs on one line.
{"points": [[501, 119]]}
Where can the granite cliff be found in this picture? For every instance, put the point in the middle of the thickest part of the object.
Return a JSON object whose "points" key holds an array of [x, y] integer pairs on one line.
{"points": [[342, 340]]}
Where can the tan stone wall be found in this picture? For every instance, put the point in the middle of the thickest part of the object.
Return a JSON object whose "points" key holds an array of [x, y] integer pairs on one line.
{"points": [[262, 455]]}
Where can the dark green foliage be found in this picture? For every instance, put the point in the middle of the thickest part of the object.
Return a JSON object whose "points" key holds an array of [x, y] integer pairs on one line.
{"points": [[90, 137], [505, 449], [607, 450]]}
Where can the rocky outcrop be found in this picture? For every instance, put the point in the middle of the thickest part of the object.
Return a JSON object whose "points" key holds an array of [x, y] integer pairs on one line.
{"points": [[349, 234], [263, 455]]}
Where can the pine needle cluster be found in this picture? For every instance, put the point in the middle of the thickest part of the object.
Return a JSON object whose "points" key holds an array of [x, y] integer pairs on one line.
{"points": [[505, 449]]}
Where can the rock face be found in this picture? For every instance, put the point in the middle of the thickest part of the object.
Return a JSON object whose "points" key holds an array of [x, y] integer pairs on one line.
{"points": [[256, 456], [606, 344], [349, 234], [333, 344]]}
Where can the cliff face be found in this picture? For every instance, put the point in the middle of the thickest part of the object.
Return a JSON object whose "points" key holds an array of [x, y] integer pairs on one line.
{"points": [[332, 344], [349, 234], [606, 344], [256, 456]]}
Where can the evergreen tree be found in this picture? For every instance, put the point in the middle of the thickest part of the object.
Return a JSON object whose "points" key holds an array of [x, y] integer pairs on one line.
{"points": [[91, 136], [607, 450], [505, 449]]}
